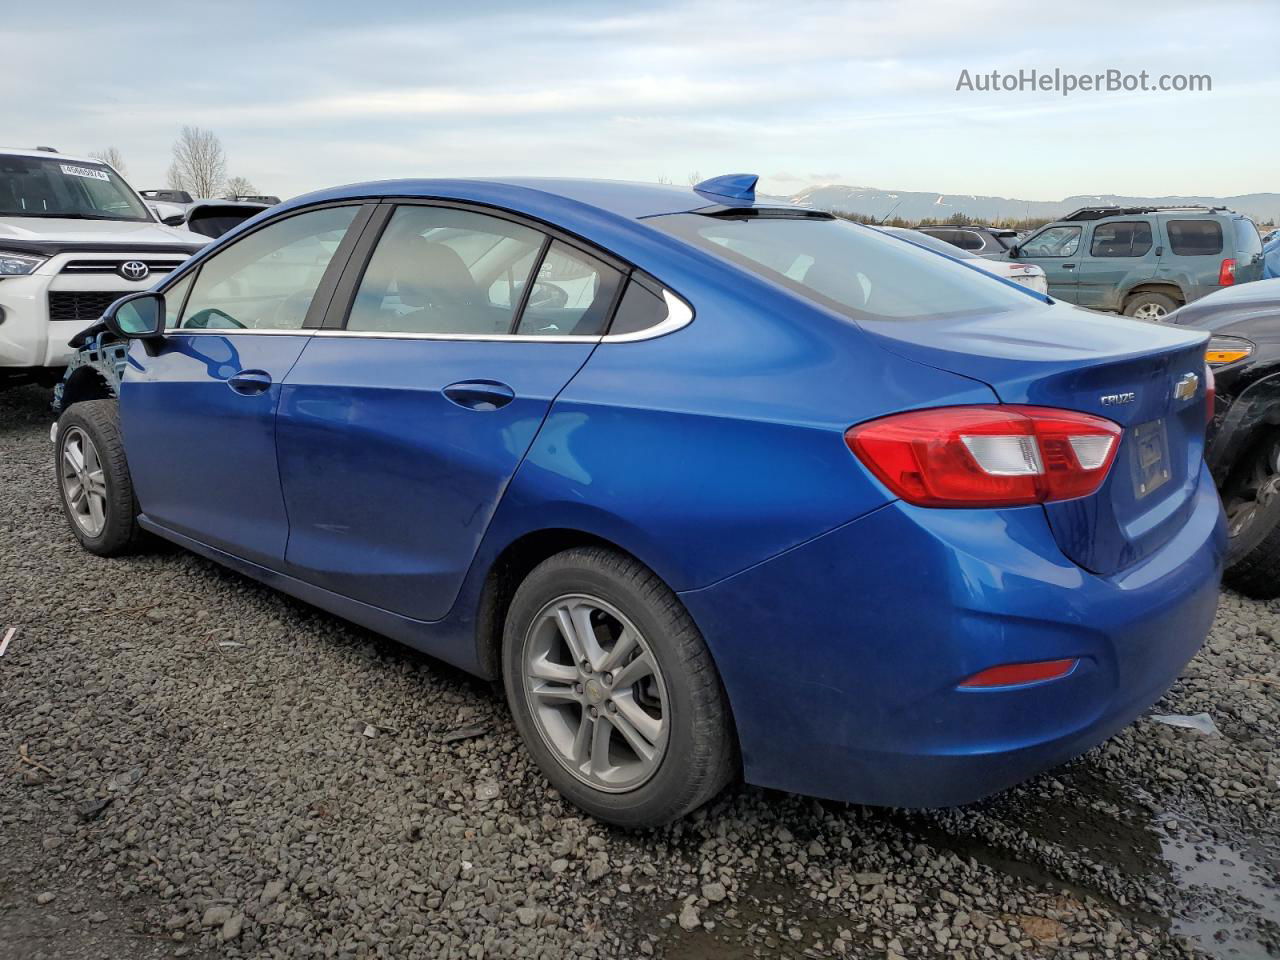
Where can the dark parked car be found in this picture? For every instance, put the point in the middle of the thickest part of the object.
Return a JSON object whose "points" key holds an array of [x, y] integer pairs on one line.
{"points": [[717, 486], [989, 242], [1143, 261], [1244, 443]]}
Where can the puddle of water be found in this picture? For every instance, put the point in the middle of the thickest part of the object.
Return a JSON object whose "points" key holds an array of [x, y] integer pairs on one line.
{"points": [[1230, 904]]}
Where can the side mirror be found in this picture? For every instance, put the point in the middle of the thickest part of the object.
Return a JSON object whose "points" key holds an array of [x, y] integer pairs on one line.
{"points": [[175, 220], [139, 316], [1014, 251]]}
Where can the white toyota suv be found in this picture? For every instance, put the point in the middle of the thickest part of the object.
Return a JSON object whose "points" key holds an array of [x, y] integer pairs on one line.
{"points": [[73, 238]]}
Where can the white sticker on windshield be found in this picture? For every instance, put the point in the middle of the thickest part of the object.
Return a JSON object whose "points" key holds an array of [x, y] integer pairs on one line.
{"points": [[89, 172]]}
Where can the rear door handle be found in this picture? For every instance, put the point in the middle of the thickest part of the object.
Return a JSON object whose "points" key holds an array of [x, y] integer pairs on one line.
{"points": [[1068, 266], [480, 394], [250, 383]]}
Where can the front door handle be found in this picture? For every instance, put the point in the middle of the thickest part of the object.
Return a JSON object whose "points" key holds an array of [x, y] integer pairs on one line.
{"points": [[479, 394], [250, 383], [1068, 266]]}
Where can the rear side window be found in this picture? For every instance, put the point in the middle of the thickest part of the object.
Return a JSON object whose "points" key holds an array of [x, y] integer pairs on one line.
{"points": [[968, 240], [571, 295], [639, 309], [1130, 238], [1195, 238], [442, 270], [1248, 243], [856, 270]]}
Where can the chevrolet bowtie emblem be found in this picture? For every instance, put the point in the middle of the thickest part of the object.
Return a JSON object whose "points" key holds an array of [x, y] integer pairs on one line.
{"points": [[1186, 388]]}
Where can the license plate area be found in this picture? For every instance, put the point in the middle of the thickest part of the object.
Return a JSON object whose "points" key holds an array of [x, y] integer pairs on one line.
{"points": [[1149, 453]]}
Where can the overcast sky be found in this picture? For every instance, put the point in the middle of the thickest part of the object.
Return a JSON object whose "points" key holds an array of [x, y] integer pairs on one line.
{"points": [[805, 91]]}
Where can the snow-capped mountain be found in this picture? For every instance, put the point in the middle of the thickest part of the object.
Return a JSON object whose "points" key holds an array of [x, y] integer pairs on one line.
{"points": [[912, 205]]}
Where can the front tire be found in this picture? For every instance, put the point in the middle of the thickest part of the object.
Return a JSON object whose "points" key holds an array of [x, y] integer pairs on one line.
{"points": [[614, 691], [1252, 501], [93, 478]]}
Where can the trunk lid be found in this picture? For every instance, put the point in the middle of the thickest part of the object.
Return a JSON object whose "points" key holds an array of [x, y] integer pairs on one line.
{"points": [[1125, 370]]}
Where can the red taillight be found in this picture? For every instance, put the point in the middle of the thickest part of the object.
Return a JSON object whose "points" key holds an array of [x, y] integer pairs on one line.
{"points": [[1227, 273], [1017, 674], [996, 456], [1210, 393]]}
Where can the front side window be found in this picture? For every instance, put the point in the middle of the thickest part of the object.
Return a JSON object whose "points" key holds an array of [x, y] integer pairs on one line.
{"points": [[571, 295], [854, 269], [174, 298], [446, 271], [1053, 242], [1195, 238], [1122, 239], [266, 280], [59, 188]]}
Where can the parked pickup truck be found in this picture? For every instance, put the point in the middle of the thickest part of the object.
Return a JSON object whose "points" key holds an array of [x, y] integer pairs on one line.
{"points": [[1144, 262]]}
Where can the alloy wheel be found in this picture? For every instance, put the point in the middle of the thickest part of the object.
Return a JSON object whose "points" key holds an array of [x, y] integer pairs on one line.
{"points": [[84, 484], [596, 693], [1150, 311]]}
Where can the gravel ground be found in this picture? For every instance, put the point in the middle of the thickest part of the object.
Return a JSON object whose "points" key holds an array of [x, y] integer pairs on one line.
{"points": [[225, 772]]}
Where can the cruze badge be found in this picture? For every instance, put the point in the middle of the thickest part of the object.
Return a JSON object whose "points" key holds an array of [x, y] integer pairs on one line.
{"points": [[134, 270], [1115, 399], [1186, 387]]}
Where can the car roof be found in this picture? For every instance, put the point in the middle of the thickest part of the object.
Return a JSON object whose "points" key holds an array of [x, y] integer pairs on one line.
{"points": [[546, 195], [48, 155]]}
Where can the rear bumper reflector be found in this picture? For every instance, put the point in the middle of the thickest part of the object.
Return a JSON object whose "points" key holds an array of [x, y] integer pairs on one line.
{"points": [[1019, 674]]}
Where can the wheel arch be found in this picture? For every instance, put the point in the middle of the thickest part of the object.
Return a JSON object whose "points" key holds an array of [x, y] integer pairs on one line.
{"points": [[508, 569], [1166, 287], [84, 383]]}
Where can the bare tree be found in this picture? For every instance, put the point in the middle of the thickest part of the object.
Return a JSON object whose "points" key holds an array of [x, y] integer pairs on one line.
{"points": [[240, 187], [199, 163], [663, 178], [112, 156], [695, 178]]}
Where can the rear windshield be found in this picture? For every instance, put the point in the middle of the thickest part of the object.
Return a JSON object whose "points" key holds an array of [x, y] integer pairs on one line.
{"points": [[1195, 238], [1248, 243], [854, 269], [55, 187]]}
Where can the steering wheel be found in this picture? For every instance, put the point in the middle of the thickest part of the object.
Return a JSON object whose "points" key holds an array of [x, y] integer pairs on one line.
{"points": [[545, 294], [211, 318]]}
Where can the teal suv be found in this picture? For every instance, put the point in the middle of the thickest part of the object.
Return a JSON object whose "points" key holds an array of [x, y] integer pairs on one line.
{"points": [[1143, 261]]}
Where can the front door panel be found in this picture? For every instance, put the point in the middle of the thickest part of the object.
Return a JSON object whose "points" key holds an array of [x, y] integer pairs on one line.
{"points": [[199, 420], [395, 452]]}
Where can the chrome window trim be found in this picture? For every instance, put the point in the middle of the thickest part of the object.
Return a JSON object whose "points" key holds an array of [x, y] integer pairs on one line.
{"points": [[679, 315], [224, 331]]}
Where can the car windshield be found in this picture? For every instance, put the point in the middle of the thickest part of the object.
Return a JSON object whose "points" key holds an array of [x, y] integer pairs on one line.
{"points": [[933, 243], [853, 269], [56, 187]]}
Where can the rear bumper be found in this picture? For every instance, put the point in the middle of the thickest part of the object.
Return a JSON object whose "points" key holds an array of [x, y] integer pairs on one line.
{"points": [[842, 657]]}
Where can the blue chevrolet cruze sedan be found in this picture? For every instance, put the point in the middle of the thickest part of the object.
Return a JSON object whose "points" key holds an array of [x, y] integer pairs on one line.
{"points": [[718, 487]]}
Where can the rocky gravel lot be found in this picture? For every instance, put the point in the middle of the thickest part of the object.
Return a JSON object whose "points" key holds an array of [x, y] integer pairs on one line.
{"points": [[196, 766]]}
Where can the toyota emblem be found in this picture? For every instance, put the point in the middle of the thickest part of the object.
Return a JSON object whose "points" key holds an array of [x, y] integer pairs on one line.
{"points": [[134, 270]]}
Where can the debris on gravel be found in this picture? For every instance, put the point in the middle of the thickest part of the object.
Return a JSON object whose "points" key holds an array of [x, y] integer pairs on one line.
{"points": [[228, 772]]}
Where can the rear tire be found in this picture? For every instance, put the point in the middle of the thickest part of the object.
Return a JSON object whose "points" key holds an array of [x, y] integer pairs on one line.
{"points": [[1252, 499], [1150, 306], [93, 479], [562, 690]]}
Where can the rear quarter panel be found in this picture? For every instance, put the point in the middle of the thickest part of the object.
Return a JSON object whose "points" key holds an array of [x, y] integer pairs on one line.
{"points": [[720, 445]]}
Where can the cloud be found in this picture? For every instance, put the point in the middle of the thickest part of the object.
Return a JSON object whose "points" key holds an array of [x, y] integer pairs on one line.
{"points": [[305, 96]]}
